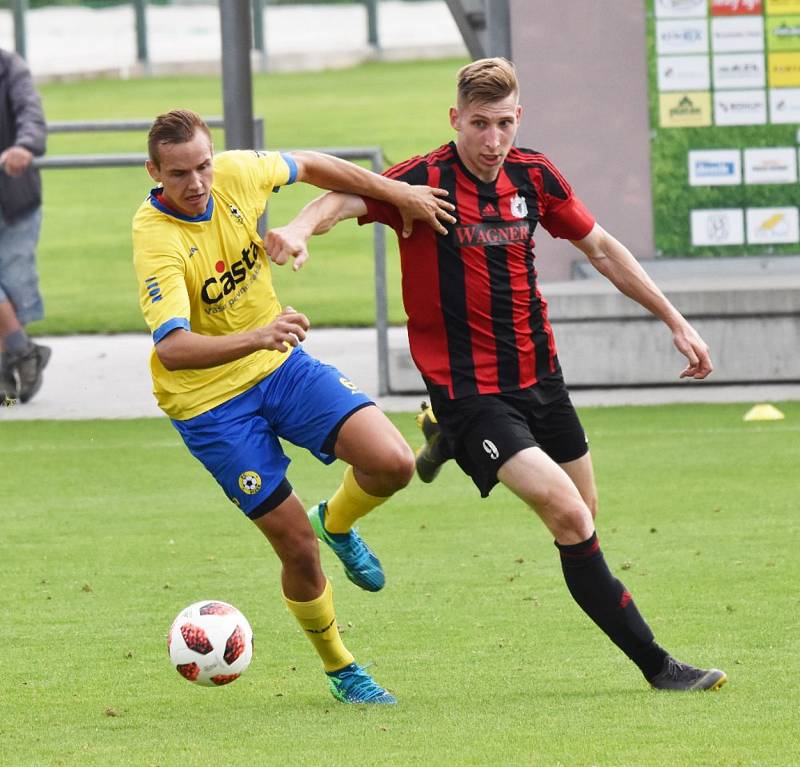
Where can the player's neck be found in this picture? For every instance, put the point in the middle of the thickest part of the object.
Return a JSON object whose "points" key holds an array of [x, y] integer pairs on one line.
{"points": [[487, 175]]}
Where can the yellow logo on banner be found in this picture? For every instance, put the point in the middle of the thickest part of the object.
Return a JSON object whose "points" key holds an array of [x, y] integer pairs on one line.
{"points": [[685, 110], [784, 70], [777, 7]]}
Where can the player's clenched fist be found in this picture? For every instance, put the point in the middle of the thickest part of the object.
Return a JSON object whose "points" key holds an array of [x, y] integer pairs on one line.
{"points": [[289, 327], [284, 243]]}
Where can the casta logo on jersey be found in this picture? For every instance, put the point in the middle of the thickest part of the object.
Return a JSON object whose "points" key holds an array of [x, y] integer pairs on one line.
{"points": [[215, 288]]}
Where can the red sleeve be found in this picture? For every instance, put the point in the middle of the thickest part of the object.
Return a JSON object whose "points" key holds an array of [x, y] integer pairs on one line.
{"points": [[412, 171], [560, 211], [382, 213], [569, 219]]}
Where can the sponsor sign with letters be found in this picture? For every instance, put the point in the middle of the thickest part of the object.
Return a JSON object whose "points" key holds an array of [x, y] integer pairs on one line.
{"points": [[737, 34], [784, 70], [739, 70], [783, 33], [740, 107], [681, 37], [784, 106], [683, 73], [685, 109], [768, 226], [717, 227], [736, 7], [681, 9], [715, 167], [778, 7], [771, 165]]}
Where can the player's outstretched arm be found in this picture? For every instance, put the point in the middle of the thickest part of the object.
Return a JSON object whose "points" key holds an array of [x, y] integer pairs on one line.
{"points": [[184, 350], [615, 262], [415, 203], [318, 217]]}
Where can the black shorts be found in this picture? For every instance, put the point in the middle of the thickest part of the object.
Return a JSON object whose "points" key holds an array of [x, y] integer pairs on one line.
{"points": [[485, 430]]}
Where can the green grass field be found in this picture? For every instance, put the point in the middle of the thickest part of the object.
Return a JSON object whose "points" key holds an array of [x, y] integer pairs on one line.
{"points": [[85, 254], [110, 527]]}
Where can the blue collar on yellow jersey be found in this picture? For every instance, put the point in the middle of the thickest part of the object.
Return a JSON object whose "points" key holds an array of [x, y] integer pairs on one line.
{"points": [[158, 205]]}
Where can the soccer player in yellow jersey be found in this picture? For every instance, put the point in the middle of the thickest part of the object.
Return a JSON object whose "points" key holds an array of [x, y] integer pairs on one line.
{"points": [[229, 370]]}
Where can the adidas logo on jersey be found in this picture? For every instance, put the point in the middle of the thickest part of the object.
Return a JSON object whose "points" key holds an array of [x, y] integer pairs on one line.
{"points": [[490, 209]]}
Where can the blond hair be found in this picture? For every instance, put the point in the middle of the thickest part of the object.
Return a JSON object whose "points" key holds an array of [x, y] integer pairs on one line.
{"points": [[486, 80], [175, 127]]}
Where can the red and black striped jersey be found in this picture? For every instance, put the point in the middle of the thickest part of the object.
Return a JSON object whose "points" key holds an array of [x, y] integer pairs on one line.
{"points": [[477, 323]]}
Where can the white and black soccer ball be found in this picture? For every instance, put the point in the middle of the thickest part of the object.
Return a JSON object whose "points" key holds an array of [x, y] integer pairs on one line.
{"points": [[210, 643]]}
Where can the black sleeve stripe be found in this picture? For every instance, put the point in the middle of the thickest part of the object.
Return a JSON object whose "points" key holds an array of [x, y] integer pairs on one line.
{"points": [[531, 157], [554, 172], [416, 169], [402, 168], [553, 185]]}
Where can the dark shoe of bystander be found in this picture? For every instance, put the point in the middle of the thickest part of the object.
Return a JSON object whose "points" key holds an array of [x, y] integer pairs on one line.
{"points": [[28, 368], [9, 391]]}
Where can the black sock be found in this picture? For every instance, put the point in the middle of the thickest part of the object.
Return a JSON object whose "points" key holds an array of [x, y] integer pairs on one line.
{"points": [[609, 604]]}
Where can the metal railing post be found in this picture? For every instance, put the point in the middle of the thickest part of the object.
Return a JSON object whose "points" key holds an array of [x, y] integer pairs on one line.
{"points": [[260, 143], [237, 79], [372, 24], [19, 8], [381, 294], [259, 40], [142, 53]]}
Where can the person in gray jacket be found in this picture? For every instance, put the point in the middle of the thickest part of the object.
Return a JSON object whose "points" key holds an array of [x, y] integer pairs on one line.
{"points": [[23, 134]]}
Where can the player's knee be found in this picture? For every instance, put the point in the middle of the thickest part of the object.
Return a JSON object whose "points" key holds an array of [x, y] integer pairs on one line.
{"points": [[401, 465], [574, 524], [393, 466], [567, 516]]}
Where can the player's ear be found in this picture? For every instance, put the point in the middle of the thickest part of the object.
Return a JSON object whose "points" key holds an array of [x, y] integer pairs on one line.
{"points": [[154, 172], [454, 121]]}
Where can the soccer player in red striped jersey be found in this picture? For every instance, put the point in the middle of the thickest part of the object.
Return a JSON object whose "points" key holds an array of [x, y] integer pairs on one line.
{"points": [[479, 333]]}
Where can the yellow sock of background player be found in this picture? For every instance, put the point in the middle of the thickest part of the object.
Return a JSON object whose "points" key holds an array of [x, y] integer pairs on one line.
{"points": [[318, 621], [348, 504]]}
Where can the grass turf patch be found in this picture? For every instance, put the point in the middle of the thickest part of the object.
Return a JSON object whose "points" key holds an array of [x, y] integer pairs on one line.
{"points": [[110, 527]]}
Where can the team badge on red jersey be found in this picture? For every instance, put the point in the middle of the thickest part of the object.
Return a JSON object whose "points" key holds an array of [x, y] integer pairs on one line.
{"points": [[519, 208]]}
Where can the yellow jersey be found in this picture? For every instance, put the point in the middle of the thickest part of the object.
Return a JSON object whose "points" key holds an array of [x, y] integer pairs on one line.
{"points": [[210, 274]]}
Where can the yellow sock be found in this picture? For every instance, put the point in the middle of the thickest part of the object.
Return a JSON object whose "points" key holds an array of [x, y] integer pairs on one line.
{"points": [[348, 504], [318, 621]]}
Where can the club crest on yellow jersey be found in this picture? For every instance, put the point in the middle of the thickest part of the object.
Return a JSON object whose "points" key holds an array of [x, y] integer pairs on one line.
{"points": [[236, 214]]}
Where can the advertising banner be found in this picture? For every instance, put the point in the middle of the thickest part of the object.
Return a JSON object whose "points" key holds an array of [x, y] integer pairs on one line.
{"points": [[725, 117]]}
